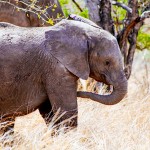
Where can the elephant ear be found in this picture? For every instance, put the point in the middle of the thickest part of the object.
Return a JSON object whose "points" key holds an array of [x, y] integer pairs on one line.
{"points": [[70, 47]]}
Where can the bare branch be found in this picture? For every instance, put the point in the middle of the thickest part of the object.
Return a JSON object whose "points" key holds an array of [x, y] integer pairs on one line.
{"points": [[145, 14], [129, 34], [122, 5], [106, 21], [78, 6], [41, 13], [125, 32], [23, 9]]}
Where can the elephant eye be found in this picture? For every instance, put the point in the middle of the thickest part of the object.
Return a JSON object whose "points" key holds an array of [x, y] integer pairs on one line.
{"points": [[107, 62]]}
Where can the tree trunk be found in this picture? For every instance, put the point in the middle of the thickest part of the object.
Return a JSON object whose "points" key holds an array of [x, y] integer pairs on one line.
{"points": [[106, 21], [132, 38], [93, 7], [127, 37]]}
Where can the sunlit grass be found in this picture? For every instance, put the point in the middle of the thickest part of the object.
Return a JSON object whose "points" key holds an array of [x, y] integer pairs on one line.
{"points": [[125, 126]]}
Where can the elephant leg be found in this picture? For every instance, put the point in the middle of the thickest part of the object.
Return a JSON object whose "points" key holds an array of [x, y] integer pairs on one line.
{"points": [[63, 97], [68, 119], [45, 110]]}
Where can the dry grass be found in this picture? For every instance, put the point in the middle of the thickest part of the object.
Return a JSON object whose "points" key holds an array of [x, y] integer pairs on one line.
{"points": [[125, 126]]}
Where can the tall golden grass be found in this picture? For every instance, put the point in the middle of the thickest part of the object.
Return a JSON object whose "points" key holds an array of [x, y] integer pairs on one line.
{"points": [[125, 126]]}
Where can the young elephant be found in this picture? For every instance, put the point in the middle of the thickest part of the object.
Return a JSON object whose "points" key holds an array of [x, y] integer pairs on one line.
{"points": [[39, 67]]}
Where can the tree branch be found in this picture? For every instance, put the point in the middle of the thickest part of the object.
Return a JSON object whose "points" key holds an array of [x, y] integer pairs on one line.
{"points": [[125, 32], [30, 8], [122, 5], [77, 5], [129, 34], [145, 14], [23, 9], [106, 21]]}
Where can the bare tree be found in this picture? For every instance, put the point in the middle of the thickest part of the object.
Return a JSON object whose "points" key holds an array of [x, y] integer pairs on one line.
{"points": [[127, 34], [93, 6]]}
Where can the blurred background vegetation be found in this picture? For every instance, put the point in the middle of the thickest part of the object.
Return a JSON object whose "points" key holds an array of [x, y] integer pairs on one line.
{"points": [[70, 8], [118, 14]]}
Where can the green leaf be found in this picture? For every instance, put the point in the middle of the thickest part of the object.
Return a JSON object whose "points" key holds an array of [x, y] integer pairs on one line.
{"points": [[50, 21]]}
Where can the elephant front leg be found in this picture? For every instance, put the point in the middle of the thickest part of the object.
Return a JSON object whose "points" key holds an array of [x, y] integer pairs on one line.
{"points": [[63, 98]]}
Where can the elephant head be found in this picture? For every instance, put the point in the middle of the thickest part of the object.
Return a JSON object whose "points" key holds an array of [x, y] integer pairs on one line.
{"points": [[88, 51]]}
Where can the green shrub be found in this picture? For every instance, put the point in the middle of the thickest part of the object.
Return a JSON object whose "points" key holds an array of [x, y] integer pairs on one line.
{"points": [[70, 8]]}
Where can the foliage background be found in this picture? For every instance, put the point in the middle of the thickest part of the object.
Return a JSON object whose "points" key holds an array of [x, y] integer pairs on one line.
{"points": [[69, 7], [143, 40], [125, 126]]}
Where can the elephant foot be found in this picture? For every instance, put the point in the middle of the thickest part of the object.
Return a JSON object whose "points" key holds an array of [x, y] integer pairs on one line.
{"points": [[64, 125], [68, 121]]}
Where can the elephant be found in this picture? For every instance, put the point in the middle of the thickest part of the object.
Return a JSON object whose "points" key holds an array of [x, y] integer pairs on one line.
{"points": [[10, 13], [40, 67]]}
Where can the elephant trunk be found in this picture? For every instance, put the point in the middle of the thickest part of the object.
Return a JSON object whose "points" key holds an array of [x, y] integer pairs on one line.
{"points": [[119, 91]]}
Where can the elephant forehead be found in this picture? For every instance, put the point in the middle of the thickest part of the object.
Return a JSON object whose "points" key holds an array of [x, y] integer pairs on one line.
{"points": [[106, 36], [110, 42], [106, 45]]}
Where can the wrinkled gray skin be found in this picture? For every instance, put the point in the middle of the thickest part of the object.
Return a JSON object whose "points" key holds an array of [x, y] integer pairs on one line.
{"points": [[39, 67], [9, 13]]}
